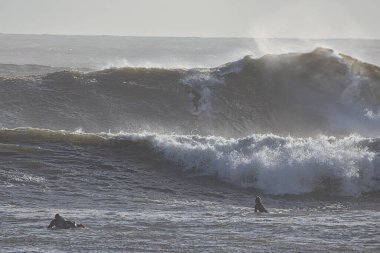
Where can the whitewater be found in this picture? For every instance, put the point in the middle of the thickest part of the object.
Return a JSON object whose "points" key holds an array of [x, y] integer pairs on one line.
{"points": [[162, 144]]}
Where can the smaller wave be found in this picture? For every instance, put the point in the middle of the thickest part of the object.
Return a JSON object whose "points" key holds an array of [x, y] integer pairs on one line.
{"points": [[26, 134], [279, 165], [15, 70], [347, 166], [19, 177]]}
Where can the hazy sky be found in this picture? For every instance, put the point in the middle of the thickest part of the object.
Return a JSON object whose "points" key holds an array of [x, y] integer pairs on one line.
{"points": [[203, 18]]}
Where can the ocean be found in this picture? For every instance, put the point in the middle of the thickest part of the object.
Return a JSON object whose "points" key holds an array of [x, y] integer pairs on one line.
{"points": [[161, 144]]}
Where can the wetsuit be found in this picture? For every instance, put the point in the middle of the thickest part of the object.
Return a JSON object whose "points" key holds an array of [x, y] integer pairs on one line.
{"points": [[60, 222], [259, 207]]}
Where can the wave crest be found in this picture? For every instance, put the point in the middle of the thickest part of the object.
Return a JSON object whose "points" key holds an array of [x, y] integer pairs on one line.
{"points": [[302, 94]]}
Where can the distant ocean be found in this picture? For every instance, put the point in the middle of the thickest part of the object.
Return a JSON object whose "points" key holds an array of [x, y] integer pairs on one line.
{"points": [[162, 144]]}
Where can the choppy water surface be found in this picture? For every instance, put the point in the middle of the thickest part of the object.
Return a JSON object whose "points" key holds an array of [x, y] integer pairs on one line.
{"points": [[170, 158]]}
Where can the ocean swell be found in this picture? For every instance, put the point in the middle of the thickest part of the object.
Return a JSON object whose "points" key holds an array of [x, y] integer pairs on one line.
{"points": [[306, 94], [262, 123]]}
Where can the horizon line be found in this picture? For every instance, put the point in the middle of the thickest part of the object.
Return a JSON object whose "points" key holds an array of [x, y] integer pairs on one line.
{"points": [[183, 37]]}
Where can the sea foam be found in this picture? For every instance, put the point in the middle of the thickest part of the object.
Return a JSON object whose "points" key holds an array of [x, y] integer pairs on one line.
{"points": [[277, 165]]}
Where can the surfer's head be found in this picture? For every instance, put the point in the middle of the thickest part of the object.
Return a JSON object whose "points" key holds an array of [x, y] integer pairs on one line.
{"points": [[258, 199], [57, 216]]}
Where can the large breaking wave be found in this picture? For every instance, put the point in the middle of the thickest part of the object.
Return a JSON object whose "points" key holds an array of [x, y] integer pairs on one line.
{"points": [[319, 92], [261, 123]]}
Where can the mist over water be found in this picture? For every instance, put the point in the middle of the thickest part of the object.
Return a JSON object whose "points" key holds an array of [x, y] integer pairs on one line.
{"points": [[161, 126], [100, 52]]}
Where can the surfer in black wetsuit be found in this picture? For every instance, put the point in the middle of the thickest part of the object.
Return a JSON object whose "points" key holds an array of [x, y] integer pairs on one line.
{"points": [[259, 206], [60, 222]]}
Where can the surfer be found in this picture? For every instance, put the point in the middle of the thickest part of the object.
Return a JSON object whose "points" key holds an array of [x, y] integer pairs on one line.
{"points": [[259, 206], [60, 222]]}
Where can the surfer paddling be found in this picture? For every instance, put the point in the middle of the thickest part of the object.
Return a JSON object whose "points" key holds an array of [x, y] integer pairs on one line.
{"points": [[259, 206], [60, 222]]}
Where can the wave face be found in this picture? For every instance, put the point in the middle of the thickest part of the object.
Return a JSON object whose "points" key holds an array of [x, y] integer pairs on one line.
{"points": [[228, 122], [326, 166], [298, 94]]}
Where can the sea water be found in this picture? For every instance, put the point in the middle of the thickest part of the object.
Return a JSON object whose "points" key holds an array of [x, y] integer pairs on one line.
{"points": [[162, 144]]}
